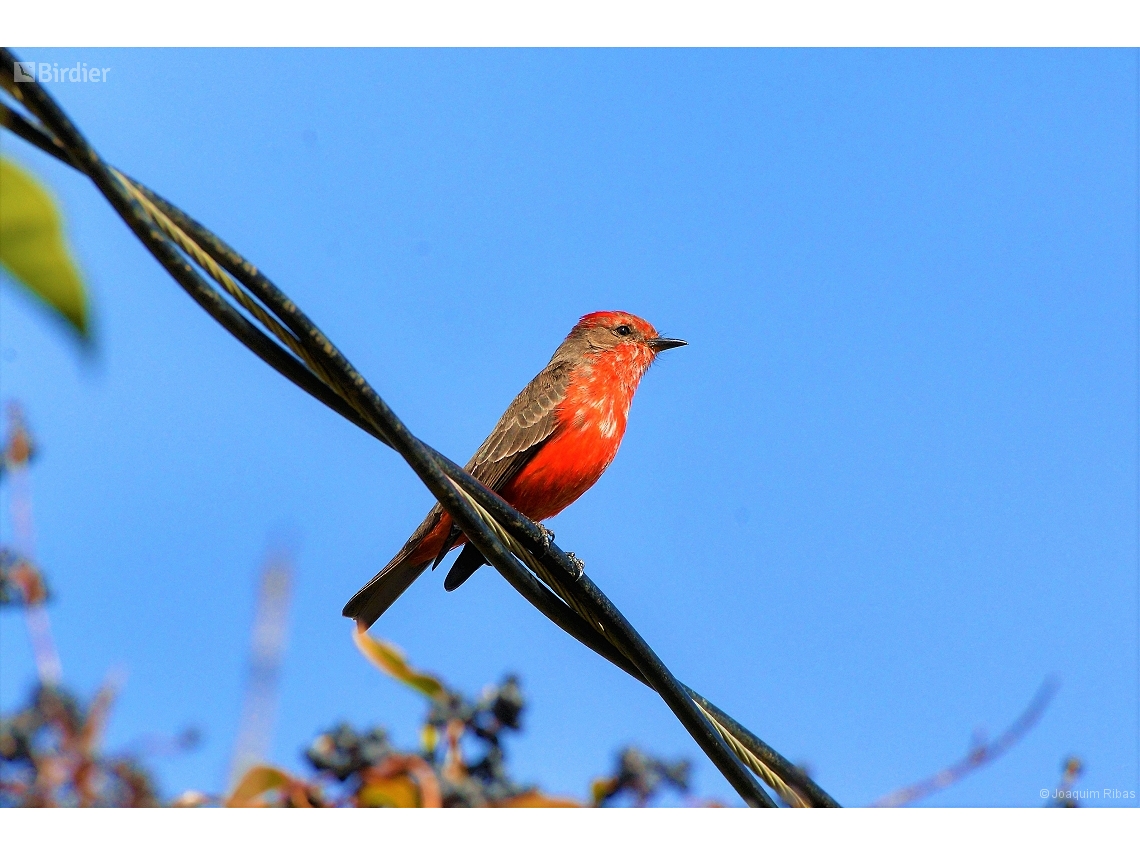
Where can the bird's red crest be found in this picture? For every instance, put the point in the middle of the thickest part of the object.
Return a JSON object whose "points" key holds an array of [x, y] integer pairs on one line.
{"points": [[613, 319]]}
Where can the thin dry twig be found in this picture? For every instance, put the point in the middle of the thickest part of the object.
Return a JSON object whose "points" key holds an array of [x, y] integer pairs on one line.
{"points": [[979, 756], [18, 450]]}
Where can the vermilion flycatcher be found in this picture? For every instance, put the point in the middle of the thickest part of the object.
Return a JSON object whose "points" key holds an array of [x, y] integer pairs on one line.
{"points": [[551, 445]]}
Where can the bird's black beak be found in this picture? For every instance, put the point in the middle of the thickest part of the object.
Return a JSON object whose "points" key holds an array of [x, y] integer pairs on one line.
{"points": [[660, 344]]}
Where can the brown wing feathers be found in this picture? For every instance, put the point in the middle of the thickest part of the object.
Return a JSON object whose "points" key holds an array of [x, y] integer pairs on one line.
{"points": [[528, 422]]}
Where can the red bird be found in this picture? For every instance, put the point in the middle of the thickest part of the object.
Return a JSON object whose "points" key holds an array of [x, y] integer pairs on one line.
{"points": [[551, 445]]}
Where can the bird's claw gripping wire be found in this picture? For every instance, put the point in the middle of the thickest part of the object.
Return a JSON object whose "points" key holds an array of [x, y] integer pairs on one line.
{"points": [[579, 565], [547, 534]]}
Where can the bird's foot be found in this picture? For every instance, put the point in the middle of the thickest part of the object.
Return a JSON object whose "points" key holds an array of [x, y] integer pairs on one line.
{"points": [[579, 565], [547, 534], [452, 536]]}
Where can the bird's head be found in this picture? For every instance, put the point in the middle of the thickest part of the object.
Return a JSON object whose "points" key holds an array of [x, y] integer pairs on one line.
{"points": [[619, 335]]}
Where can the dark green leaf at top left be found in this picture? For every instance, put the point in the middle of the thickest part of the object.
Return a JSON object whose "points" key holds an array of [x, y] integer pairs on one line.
{"points": [[33, 250]]}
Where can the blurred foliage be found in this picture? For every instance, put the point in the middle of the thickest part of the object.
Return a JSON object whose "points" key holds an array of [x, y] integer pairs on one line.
{"points": [[19, 447], [1065, 796], [641, 777], [50, 757], [21, 582], [33, 249], [461, 760]]}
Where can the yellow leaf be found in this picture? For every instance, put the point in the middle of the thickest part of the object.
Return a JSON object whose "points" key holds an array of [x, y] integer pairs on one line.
{"points": [[32, 247], [601, 789], [256, 782], [390, 659], [400, 792]]}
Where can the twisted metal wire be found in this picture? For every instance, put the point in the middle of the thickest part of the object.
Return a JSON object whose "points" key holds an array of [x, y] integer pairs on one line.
{"points": [[207, 263]]}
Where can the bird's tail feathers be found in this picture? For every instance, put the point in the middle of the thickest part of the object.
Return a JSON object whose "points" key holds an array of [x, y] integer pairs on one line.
{"points": [[373, 599]]}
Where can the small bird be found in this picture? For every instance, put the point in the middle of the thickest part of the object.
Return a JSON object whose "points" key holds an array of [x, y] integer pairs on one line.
{"points": [[551, 445]]}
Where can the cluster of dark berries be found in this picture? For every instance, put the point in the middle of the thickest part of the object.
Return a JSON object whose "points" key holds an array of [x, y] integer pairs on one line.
{"points": [[456, 728], [342, 752], [476, 729], [641, 777]]}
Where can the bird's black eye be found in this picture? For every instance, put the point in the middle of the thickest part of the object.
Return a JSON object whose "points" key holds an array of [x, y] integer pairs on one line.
{"points": [[623, 330]]}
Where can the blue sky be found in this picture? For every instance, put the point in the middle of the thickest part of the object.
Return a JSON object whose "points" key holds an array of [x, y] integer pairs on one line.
{"points": [[889, 487]]}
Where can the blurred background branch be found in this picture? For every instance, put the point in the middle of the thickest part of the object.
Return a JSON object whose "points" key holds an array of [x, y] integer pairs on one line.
{"points": [[980, 754], [267, 648], [21, 575]]}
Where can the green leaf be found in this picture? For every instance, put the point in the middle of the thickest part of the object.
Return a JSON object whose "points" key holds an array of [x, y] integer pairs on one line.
{"points": [[390, 659], [32, 247]]}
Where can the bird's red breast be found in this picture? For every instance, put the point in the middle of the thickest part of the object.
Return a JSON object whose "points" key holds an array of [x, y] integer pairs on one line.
{"points": [[591, 424]]}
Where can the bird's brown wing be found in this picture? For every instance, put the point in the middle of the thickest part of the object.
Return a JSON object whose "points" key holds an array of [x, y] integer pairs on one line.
{"points": [[528, 422], [526, 425]]}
